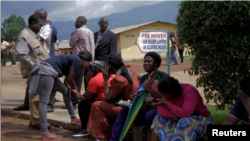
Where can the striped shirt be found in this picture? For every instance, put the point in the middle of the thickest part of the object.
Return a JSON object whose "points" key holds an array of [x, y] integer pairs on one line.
{"points": [[83, 39], [23, 50]]}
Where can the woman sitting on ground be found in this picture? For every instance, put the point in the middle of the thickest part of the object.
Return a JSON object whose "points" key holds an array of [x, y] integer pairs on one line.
{"points": [[44, 78], [94, 92], [181, 113], [241, 108], [152, 61], [125, 84]]}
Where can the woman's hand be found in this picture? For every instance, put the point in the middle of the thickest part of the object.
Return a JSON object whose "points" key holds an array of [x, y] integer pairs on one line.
{"points": [[159, 103], [146, 85], [175, 117], [77, 95], [105, 74], [123, 107]]}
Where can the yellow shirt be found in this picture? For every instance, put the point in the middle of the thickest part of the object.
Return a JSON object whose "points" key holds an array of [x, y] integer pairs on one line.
{"points": [[4, 45]]}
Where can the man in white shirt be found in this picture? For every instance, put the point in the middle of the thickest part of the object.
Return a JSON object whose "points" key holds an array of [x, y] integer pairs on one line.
{"points": [[45, 35]]}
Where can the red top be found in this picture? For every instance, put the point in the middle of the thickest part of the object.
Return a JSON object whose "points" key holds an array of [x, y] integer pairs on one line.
{"points": [[121, 84], [95, 85], [184, 105]]}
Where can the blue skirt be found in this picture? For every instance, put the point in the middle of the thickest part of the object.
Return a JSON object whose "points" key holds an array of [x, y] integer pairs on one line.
{"points": [[186, 129]]}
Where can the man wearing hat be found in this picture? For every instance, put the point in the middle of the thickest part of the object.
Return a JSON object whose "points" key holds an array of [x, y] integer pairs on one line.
{"points": [[4, 46]]}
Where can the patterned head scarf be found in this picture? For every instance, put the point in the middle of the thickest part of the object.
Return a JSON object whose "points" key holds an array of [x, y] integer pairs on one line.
{"points": [[96, 66]]}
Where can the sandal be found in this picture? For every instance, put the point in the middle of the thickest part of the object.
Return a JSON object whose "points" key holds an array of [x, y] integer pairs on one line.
{"points": [[76, 121], [57, 100], [49, 137]]}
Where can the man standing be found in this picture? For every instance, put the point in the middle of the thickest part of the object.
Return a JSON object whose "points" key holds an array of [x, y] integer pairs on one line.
{"points": [[12, 52], [53, 39], [81, 39], [4, 46], [26, 105], [105, 41], [28, 41], [45, 35]]}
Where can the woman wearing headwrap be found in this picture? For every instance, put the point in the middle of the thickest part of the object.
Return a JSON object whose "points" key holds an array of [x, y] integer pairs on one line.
{"points": [[125, 84], [94, 92], [152, 61]]}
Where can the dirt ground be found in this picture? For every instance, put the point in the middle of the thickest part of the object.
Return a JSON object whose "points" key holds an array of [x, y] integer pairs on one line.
{"points": [[17, 129]]}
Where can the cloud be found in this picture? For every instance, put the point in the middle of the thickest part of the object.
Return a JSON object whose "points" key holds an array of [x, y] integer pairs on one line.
{"points": [[69, 10]]}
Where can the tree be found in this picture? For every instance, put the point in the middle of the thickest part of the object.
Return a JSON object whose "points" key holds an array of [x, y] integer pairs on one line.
{"points": [[13, 26], [217, 34], [2, 32]]}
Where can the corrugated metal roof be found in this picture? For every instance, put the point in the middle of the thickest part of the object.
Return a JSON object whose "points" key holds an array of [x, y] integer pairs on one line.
{"points": [[64, 44], [126, 28]]}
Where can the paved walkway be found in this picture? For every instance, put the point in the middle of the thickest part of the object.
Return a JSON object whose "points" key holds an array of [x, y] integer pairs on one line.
{"points": [[13, 89]]}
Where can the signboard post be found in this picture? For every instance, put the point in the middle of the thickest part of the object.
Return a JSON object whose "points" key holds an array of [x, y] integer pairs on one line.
{"points": [[157, 41]]}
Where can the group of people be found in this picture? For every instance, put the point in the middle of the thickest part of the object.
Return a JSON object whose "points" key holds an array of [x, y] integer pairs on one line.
{"points": [[171, 110], [8, 46]]}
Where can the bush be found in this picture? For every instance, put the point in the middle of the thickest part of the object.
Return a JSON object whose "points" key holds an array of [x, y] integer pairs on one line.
{"points": [[218, 35]]}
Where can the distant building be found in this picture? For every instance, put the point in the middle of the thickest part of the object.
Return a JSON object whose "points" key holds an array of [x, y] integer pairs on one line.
{"points": [[65, 48], [126, 38]]}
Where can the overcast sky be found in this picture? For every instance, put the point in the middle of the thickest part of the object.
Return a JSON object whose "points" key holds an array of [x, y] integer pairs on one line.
{"points": [[69, 10]]}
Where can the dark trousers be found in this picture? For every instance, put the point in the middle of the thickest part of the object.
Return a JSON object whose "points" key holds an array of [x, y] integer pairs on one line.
{"points": [[26, 98], [84, 108], [147, 115], [52, 99], [3, 56], [12, 58], [78, 80], [181, 54]]}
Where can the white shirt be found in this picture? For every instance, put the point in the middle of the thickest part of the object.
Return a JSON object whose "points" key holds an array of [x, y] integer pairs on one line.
{"points": [[45, 33]]}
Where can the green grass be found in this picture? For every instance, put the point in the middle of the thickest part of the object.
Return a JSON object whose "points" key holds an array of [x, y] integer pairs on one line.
{"points": [[186, 58], [219, 115]]}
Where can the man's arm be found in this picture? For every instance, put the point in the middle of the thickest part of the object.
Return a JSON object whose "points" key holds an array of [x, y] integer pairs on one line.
{"points": [[113, 44], [22, 51], [92, 46], [73, 39], [230, 120]]}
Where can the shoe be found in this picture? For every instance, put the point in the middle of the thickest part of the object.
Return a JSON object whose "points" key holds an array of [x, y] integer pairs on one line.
{"points": [[76, 121], [50, 110], [64, 107], [21, 107], [38, 127], [49, 136], [80, 135]]}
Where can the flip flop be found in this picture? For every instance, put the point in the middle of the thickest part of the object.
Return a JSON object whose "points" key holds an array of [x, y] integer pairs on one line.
{"points": [[76, 122], [52, 137]]}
